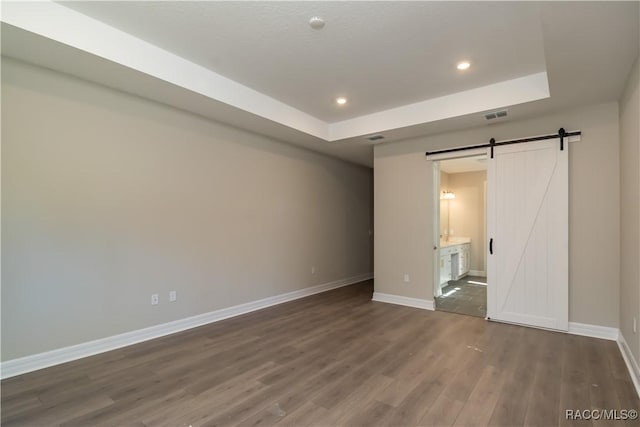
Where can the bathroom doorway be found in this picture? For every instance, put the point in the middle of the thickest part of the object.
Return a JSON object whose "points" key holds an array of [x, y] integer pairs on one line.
{"points": [[460, 226]]}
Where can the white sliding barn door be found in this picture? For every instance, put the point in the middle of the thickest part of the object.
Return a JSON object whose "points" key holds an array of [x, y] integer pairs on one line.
{"points": [[528, 219]]}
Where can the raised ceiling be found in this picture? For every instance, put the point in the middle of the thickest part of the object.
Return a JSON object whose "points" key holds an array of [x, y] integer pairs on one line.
{"points": [[258, 65], [380, 55]]}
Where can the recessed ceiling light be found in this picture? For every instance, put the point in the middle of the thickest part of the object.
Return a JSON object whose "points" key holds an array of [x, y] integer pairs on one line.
{"points": [[341, 100], [316, 23], [463, 65]]}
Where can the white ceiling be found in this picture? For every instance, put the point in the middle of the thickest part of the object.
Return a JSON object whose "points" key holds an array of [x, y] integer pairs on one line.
{"points": [[464, 164], [380, 55], [258, 65]]}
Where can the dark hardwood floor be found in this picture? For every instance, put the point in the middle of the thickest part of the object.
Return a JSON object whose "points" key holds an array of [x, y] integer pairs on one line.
{"points": [[332, 359]]}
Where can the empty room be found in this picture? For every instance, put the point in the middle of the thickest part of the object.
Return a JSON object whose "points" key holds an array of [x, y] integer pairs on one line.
{"points": [[305, 213]]}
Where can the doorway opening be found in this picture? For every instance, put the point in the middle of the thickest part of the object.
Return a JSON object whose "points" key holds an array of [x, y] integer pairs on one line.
{"points": [[527, 223], [460, 228]]}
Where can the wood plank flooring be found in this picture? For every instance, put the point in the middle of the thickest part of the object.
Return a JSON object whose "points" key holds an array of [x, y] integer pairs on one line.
{"points": [[332, 359]]}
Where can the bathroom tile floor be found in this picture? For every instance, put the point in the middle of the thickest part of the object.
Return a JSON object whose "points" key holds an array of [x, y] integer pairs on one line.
{"points": [[464, 297]]}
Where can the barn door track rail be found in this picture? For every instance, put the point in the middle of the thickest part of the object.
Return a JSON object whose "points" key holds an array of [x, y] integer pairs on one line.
{"points": [[562, 134]]}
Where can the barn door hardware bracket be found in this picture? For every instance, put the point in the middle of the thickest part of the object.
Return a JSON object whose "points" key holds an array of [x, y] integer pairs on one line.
{"points": [[562, 134]]}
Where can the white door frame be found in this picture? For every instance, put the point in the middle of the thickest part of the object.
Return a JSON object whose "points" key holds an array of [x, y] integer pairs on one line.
{"points": [[436, 158], [436, 229]]}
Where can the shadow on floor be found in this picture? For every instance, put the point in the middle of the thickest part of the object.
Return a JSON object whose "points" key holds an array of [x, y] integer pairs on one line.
{"points": [[464, 297]]}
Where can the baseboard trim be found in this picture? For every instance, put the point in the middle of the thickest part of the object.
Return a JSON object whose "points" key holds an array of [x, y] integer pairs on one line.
{"points": [[594, 331], [34, 362], [630, 361], [400, 300], [477, 273]]}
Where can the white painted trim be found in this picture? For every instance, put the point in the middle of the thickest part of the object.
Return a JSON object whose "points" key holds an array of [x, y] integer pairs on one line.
{"points": [[34, 362], [457, 154], [437, 290], [594, 331], [400, 300], [477, 273], [574, 138], [71, 28], [632, 364], [498, 95]]}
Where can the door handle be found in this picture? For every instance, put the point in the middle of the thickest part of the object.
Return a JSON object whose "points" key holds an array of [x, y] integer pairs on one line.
{"points": [[491, 246]]}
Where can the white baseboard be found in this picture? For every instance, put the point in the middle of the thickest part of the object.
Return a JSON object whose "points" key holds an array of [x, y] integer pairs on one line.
{"points": [[400, 300], [594, 331], [14, 367], [477, 273], [632, 364]]}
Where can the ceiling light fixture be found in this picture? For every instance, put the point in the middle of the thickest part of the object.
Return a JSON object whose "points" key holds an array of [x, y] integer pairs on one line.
{"points": [[316, 23], [447, 195], [341, 100], [463, 65]]}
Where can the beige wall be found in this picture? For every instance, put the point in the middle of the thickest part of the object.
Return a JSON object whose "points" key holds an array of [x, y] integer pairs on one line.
{"points": [[108, 198], [630, 210], [403, 208], [467, 213], [444, 206]]}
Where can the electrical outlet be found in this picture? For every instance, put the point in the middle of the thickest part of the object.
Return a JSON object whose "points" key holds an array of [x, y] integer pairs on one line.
{"points": [[155, 299], [313, 270], [173, 295], [406, 278], [635, 325]]}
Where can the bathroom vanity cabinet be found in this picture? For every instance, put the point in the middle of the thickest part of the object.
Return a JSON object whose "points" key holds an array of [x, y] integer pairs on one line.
{"points": [[455, 259]]}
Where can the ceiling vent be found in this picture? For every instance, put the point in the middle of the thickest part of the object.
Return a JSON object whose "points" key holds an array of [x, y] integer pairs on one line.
{"points": [[495, 115], [375, 138]]}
